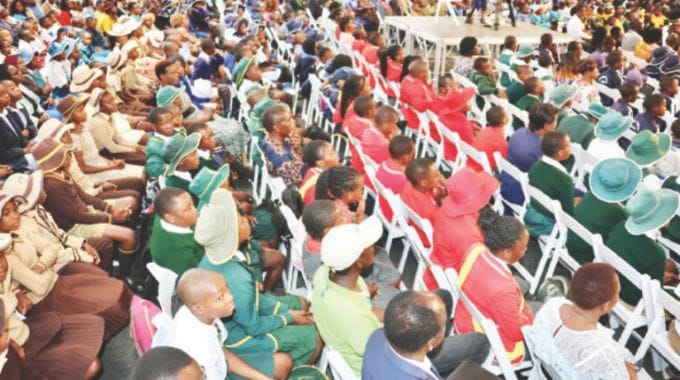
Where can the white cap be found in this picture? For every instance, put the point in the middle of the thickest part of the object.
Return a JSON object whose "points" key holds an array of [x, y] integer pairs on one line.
{"points": [[344, 244]]}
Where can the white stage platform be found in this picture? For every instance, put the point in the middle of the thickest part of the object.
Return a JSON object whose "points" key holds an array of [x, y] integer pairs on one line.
{"points": [[436, 36]]}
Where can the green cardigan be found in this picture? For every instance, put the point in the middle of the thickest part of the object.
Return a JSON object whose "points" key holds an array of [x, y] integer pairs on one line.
{"points": [[155, 166], [524, 104], [177, 252], [180, 183], [515, 91], [673, 230], [599, 218], [642, 253], [579, 128], [554, 183]]}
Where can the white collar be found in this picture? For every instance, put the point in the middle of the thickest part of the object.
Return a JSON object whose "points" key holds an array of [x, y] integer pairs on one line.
{"points": [[204, 154], [183, 175], [185, 313], [204, 56], [175, 228], [425, 365], [554, 163], [162, 137]]}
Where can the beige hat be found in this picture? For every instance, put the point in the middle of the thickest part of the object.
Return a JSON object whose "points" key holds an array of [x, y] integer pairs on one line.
{"points": [[217, 227], [95, 97], [83, 76], [116, 59], [128, 47], [53, 128], [27, 186], [344, 244]]}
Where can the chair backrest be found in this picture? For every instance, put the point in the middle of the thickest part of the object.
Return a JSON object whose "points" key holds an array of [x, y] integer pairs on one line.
{"points": [[506, 167], [551, 204], [609, 256], [297, 229], [166, 285], [479, 157], [490, 329], [502, 67], [337, 364], [423, 224], [539, 363]]}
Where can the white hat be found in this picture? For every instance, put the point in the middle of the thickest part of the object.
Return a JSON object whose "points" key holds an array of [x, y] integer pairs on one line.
{"points": [[128, 47], [53, 128], [344, 244], [217, 227], [116, 59], [83, 76], [119, 29]]}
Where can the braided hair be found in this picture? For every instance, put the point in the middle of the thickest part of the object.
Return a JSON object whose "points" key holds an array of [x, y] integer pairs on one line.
{"points": [[334, 182], [350, 91], [500, 231]]}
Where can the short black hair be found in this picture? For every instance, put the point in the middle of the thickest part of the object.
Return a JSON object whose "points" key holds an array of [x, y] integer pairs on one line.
{"points": [[363, 104], [495, 116], [273, 116], [614, 57], [531, 84], [164, 203], [207, 44], [400, 146], [309, 46], [317, 216], [409, 323], [417, 169], [157, 112], [675, 128], [196, 127], [510, 41], [313, 152], [552, 142], [545, 59], [541, 114], [627, 90], [653, 100], [479, 62], [162, 67], [500, 231], [385, 113], [334, 182], [161, 363], [546, 38], [467, 45], [666, 82]]}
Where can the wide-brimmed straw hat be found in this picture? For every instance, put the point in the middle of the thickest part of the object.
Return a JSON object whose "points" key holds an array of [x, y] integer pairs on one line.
{"points": [[26, 186], [217, 227]]}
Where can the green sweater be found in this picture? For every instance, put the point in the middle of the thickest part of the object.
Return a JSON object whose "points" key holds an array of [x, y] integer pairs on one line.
{"points": [[579, 128], [515, 91], [673, 230], [485, 86], [642, 253], [598, 217], [155, 166], [175, 251], [524, 104], [554, 183], [180, 183]]}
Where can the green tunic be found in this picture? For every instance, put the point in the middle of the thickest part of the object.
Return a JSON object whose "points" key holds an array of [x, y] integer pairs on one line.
{"points": [[524, 104], [155, 166], [673, 230], [261, 323], [175, 251], [579, 128], [554, 183], [515, 91], [485, 86], [180, 183], [599, 218], [642, 253]]}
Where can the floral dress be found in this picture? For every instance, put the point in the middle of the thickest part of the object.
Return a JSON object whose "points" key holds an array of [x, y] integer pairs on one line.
{"points": [[282, 161]]}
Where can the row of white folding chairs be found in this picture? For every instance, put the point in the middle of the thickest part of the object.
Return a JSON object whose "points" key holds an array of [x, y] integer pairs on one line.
{"points": [[263, 183]]}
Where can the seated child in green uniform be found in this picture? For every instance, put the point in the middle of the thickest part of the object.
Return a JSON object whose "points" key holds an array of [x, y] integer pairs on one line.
{"points": [[262, 324], [533, 90], [172, 241], [549, 176], [261, 256], [163, 129], [180, 153]]}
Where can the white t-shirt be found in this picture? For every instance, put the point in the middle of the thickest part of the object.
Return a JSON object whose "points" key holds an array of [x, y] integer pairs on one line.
{"points": [[575, 28], [200, 341]]}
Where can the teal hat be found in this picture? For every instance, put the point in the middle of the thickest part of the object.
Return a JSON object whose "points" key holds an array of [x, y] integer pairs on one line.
{"points": [[562, 94], [166, 95], [206, 181], [69, 45], [595, 110], [612, 126], [241, 69], [254, 122], [178, 147], [615, 179], [525, 51], [650, 210], [647, 148]]}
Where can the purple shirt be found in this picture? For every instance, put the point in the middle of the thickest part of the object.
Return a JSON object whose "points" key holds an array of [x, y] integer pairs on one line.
{"points": [[621, 107], [650, 123], [524, 148]]}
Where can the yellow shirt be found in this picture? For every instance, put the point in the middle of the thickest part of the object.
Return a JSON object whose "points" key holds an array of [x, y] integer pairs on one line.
{"points": [[644, 50], [658, 21], [104, 22]]}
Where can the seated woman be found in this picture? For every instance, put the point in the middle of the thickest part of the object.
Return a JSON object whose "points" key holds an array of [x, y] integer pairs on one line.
{"points": [[488, 282], [282, 146], [567, 335], [65, 346], [77, 288]]}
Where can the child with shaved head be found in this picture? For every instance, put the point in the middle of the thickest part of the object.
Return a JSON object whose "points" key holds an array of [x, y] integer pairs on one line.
{"points": [[197, 329]]}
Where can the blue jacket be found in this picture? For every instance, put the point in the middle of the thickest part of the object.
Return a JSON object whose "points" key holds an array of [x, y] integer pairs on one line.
{"points": [[382, 362]]}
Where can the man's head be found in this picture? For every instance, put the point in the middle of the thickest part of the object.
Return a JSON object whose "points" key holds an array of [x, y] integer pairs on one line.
{"points": [[278, 119], [206, 294], [655, 105], [669, 86], [386, 120], [402, 149], [534, 86], [496, 116], [423, 174], [629, 92], [419, 69], [556, 145], [161, 119], [415, 322], [166, 73], [364, 106], [166, 363], [175, 206], [523, 72], [320, 154], [482, 66]]}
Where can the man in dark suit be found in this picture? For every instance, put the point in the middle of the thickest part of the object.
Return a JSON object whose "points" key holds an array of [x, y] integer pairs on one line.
{"points": [[414, 332], [14, 149]]}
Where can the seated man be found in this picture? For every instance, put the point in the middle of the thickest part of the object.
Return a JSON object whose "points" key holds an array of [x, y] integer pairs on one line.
{"points": [[172, 241]]}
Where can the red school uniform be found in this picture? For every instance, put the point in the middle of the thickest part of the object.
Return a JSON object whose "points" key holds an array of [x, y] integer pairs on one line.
{"points": [[489, 140], [375, 145], [417, 94], [308, 185], [370, 53]]}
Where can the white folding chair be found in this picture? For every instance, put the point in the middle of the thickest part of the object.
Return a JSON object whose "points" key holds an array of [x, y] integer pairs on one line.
{"points": [[166, 285], [296, 269], [504, 166], [391, 223], [331, 359], [664, 305], [421, 248]]}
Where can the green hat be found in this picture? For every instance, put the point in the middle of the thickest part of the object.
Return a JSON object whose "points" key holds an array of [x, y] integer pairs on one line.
{"points": [[562, 94], [167, 95], [241, 69], [206, 181], [647, 148], [525, 51], [595, 110], [217, 227], [178, 147], [649, 210], [254, 122], [612, 125], [615, 179]]}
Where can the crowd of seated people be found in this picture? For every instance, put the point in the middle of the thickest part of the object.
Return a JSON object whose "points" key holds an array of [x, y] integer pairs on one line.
{"points": [[171, 133]]}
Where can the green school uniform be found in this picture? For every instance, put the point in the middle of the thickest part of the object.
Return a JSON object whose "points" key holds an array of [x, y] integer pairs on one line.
{"points": [[155, 166], [524, 104], [673, 230], [261, 324], [180, 183], [485, 86], [557, 185], [642, 253], [598, 217], [579, 128], [515, 91], [178, 252]]}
